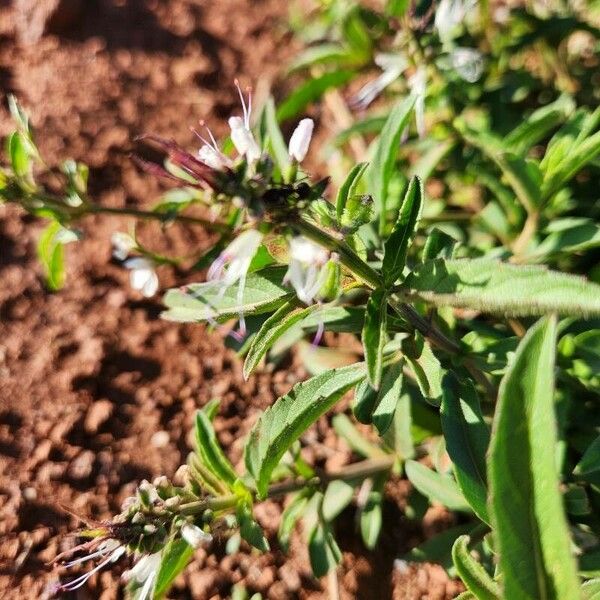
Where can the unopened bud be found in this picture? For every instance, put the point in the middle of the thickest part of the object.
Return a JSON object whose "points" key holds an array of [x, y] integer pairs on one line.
{"points": [[300, 140]]}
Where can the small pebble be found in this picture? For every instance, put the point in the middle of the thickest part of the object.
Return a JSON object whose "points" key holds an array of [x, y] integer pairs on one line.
{"points": [[160, 439]]}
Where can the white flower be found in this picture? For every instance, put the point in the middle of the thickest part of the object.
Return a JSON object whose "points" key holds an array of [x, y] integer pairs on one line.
{"points": [[233, 264], [468, 63], [392, 65], [418, 86], [243, 140], [194, 536], [209, 152], [122, 244], [108, 550], [306, 272], [241, 134], [212, 157], [144, 572], [449, 15], [300, 140], [143, 276]]}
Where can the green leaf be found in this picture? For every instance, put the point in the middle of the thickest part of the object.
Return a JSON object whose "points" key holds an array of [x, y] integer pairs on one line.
{"points": [[525, 506], [348, 189], [399, 435], [272, 329], [371, 517], [174, 559], [426, 367], [292, 512], [538, 125], [396, 246], [467, 439], [438, 488], [337, 496], [291, 415], [523, 176], [276, 141], [321, 54], [501, 288], [323, 550], [439, 245], [19, 157], [250, 530], [474, 576], [374, 335], [571, 164], [210, 451], [567, 236], [378, 406], [386, 151], [264, 291], [389, 395], [310, 91], [438, 549], [588, 467], [590, 590], [344, 427], [51, 254]]}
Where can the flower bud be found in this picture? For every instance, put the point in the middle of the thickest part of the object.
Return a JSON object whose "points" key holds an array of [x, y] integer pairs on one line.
{"points": [[194, 536], [300, 140]]}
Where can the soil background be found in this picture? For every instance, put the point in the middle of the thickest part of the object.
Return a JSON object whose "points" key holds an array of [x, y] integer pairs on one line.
{"points": [[96, 392]]}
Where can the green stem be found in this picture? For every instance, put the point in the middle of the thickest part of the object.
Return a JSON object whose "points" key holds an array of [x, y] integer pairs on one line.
{"points": [[163, 217], [354, 472], [373, 279]]}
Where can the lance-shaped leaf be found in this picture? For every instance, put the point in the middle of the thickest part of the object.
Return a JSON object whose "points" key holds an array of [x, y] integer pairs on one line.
{"points": [[500, 288], [291, 415], [174, 559], [348, 189], [378, 406], [323, 551], [292, 512], [311, 91], [337, 496], [467, 439], [396, 246], [438, 488], [274, 135], [263, 292], [530, 528], [474, 576], [538, 125], [386, 152], [210, 451], [273, 328], [374, 335], [371, 514], [588, 467]]}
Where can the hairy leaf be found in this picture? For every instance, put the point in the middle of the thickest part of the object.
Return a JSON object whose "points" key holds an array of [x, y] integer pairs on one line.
{"points": [[525, 506], [382, 167], [286, 420], [501, 288], [209, 449], [263, 292], [396, 246], [474, 576], [272, 329], [438, 488], [174, 559], [374, 335], [348, 189], [467, 439]]}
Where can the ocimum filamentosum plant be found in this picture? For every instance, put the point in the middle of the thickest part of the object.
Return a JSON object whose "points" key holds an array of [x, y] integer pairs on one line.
{"points": [[442, 324]]}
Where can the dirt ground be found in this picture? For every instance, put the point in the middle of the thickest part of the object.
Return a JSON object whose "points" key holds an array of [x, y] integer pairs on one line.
{"points": [[96, 392]]}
